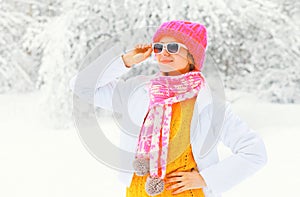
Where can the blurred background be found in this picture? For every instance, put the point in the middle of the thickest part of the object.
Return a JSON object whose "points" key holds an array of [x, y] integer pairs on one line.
{"points": [[255, 45]]}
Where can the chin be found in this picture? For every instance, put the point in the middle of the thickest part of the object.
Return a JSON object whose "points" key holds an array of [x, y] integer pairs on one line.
{"points": [[165, 68]]}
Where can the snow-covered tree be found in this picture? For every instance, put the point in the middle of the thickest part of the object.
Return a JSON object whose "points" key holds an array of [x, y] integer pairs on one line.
{"points": [[14, 74], [64, 41], [249, 38], [255, 44]]}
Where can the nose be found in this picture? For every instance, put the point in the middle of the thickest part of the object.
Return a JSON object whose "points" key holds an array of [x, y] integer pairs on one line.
{"points": [[165, 52]]}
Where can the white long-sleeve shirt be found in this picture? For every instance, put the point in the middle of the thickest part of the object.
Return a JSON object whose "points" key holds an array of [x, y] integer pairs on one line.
{"points": [[131, 98]]}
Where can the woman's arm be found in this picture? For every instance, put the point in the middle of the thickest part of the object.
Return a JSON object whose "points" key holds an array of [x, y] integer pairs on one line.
{"points": [[249, 155], [99, 90]]}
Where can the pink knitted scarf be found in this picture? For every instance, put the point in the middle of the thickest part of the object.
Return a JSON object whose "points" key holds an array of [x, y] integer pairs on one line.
{"points": [[154, 135]]}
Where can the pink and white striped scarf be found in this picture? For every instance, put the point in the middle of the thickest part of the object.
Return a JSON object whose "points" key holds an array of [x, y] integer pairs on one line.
{"points": [[154, 135]]}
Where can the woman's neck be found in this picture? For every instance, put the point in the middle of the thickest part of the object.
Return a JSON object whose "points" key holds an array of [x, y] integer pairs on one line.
{"points": [[177, 72]]}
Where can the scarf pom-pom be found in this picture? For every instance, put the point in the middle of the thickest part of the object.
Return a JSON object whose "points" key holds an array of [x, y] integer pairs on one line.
{"points": [[141, 166], [154, 186]]}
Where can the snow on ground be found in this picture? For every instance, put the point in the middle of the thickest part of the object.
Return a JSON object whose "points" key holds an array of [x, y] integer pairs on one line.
{"points": [[36, 161]]}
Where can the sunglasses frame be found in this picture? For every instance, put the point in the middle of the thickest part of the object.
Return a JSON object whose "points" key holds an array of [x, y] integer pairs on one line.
{"points": [[166, 48]]}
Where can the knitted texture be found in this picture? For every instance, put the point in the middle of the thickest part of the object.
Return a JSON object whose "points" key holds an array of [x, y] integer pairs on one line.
{"points": [[154, 135], [141, 166], [193, 35], [180, 153]]}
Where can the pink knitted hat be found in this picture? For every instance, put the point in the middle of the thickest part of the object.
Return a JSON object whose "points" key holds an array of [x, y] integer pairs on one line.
{"points": [[193, 35]]}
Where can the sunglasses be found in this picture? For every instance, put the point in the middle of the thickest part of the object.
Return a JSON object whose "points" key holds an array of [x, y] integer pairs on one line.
{"points": [[172, 47]]}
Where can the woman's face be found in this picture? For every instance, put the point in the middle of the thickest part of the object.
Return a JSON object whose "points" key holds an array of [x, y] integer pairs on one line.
{"points": [[174, 64]]}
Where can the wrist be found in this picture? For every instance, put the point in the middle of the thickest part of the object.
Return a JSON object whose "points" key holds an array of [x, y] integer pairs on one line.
{"points": [[126, 61], [202, 180]]}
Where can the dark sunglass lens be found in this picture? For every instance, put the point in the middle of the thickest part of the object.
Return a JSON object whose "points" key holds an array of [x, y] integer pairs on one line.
{"points": [[172, 47], [157, 48]]}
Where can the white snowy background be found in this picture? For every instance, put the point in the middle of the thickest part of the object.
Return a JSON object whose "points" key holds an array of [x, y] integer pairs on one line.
{"points": [[256, 46]]}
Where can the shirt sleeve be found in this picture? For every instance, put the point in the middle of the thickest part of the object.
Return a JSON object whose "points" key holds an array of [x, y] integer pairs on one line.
{"points": [[96, 83], [249, 155]]}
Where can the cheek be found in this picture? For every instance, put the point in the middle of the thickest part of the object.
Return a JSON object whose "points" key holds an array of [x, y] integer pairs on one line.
{"points": [[181, 58], [156, 56]]}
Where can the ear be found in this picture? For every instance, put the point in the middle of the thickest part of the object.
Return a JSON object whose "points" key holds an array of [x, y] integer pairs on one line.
{"points": [[190, 58]]}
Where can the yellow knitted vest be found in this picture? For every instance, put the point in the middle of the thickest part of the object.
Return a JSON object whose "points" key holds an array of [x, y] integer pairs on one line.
{"points": [[180, 157]]}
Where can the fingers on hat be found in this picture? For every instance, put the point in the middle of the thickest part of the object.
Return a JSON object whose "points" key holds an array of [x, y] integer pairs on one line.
{"points": [[142, 46]]}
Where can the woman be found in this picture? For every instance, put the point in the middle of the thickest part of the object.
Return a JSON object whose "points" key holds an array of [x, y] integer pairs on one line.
{"points": [[173, 126]]}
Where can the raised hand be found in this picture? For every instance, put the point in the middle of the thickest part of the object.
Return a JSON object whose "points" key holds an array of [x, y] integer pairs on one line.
{"points": [[140, 53]]}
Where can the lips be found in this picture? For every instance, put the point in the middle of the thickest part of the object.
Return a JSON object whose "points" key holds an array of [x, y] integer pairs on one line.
{"points": [[165, 61]]}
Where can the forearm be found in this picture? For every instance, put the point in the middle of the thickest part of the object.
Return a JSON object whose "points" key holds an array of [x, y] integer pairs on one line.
{"points": [[232, 170], [98, 80], [249, 155]]}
